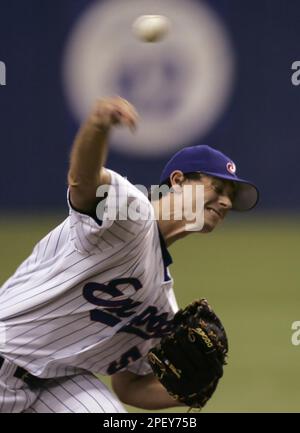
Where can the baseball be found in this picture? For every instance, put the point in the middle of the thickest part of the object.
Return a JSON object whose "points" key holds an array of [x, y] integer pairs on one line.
{"points": [[151, 28]]}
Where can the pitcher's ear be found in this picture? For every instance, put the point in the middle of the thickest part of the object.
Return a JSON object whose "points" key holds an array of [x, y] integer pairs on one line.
{"points": [[177, 178]]}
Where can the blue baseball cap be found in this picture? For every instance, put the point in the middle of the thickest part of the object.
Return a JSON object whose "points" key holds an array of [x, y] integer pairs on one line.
{"points": [[206, 160]]}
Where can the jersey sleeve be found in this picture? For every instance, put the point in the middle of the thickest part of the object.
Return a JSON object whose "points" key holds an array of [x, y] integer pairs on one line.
{"points": [[121, 213]]}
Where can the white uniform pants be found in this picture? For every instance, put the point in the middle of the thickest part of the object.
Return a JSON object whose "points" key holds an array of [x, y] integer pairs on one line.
{"points": [[82, 393]]}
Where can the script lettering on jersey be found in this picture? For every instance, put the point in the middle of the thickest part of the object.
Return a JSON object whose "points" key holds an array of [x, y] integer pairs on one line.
{"points": [[146, 325], [114, 310], [155, 325]]}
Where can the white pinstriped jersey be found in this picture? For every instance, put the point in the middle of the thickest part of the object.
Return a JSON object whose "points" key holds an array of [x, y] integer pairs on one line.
{"points": [[91, 296]]}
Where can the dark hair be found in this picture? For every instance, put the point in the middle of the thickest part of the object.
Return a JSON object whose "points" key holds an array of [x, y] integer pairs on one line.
{"points": [[187, 176]]}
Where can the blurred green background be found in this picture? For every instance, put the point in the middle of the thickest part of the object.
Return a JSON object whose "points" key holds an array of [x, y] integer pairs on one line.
{"points": [[248, 269]]}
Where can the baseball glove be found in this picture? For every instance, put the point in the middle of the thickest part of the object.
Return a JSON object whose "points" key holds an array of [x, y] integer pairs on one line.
{"points": [[189, 361]]}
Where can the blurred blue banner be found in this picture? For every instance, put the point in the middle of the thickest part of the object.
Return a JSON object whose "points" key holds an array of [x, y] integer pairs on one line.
{"points": [[223, 77]]}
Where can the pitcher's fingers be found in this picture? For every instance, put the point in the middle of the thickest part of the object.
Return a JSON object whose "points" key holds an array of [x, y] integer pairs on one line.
{"points": [[129, 121], [127, 105]]}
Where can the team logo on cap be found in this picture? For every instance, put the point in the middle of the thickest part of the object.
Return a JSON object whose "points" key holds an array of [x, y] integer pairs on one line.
{"points": [[231, 167]]}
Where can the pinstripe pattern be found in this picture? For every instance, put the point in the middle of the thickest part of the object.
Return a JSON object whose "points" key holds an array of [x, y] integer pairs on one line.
{"points": [[15, 396], [77, 394], [55, 327]]}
